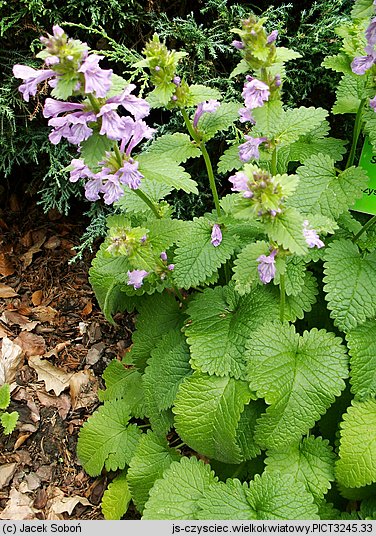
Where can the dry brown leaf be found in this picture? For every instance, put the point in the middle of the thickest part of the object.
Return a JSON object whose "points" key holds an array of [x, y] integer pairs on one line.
{"points": [[37, 297], [83, 388], [52, 243], [30, 484], [11, 358], [21, 439], [7, 291], [45, 314], [25, 395], [57, 503], [18, 507], [4, 332], [6, 265], [27, 258], [58, 348], [6, 474], [31, 344], [87, 309], [12, 317], [62, 402], [55, 379]]}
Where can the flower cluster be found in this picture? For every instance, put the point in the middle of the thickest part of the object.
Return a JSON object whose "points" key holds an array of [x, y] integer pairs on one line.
{"points": [[361, 64], [257, 47]]}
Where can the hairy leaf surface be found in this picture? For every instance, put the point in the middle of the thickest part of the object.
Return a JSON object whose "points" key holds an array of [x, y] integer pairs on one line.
{"points": [[116, 498]]}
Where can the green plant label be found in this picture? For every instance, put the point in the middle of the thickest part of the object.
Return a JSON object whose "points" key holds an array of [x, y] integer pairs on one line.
{"points": [[367, 203]]}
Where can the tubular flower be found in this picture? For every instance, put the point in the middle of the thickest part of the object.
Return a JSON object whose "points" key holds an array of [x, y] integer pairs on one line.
{"points": [[255, 93], [266, 267], [216, 235], [97, 80], [250, 149], [31, 78], [209, 106], [311, 237], [136, 278]]}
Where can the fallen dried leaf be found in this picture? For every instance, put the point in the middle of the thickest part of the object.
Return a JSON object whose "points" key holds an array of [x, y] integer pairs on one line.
{"points": [[30, 484], [11, 358], [45, 314], [31, 344], [52, 243], [27, 258], [12, 317], [83, 388], [95, 352], [19, 506], [23, 394], [6, 474], [55, 379], [7, 292], [62, 402], [4, 332], [87, 309], [6, 265], [37, 297], [58, 348], [21, 440]]}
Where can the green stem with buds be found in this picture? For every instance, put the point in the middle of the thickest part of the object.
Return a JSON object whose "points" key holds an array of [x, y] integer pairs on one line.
{"points": [[365, 228], [356, 134], [205, 154], [282, 302]]}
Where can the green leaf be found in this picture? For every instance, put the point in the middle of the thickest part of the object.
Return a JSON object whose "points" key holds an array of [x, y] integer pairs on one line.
{"points": [[9, 421], [118, 83], [230, 160], [93, 150], [207, 411], [340, 63], [311, 461], [296, 306], [158, 314], [161, 95], [349, 94], [165, 232], [220, 323], [211, 123], [241, 68], [126, 384], [356, 466], [321, 190], [245, 267], [287, 230], [153, 456], [196, 258], [178, 495], [368, 508], [362, 349], [369, 118], [349, 284], [166, 171], [268, 117], [294, 276], [245, 433], [167, 368], [362, 9], [269, 496], [130, 202], [297, 375], [65, 87], [106, 440], [200, 93], [177, 147], [4, 396], [116, 498]]}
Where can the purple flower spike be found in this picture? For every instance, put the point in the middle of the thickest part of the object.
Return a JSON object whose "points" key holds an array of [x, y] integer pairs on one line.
{"points": [[139, 108], [239, 45], [112, 125], [209, 106], [129, 174], [250, 149], [372, 103], [361, 64], [266, 267], [163, 256], [272, 37], [136, 278], [97, 80], [31, 78], [112, 190], [311, 237], [216, 235], [255, 93]]}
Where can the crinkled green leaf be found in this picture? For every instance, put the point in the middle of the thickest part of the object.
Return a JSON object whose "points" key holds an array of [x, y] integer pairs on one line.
{"points": [[152, 457], [166, 171], [93, 150], [200, 93], [296, 306], [196, 258], [211, 123], [158, 314], [310, 461], [246, 264], [164, 233], [294, 275], [207, 411], [321, 190], [106, 439], [299, 377], [340, 63], [220, 323], [65, 87], [178, 494], [178, 147], [269, 496], [245, 433], [116, 498], [349, 284], [356, 466], [9, 421], [362, 9], [361, 342], [349, 94], [131, 203], [124, 383], [369, 118], [287, 230], [4, 396], [230, 160], [368, 508], [161, 94], [167, 368], [241, 68]]}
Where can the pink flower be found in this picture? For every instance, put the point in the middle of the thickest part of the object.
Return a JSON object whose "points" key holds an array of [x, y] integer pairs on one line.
{"points": [[266, 267], [139, 108], [129, 174], [136, 278], [272, 37], [255, 93], [216, 235], [31, 78], [209, 106], [311, 237], [52, 107], [240, 183], [112, 190], [97, 80], [112, 125], [79, 170], [250, 149]]}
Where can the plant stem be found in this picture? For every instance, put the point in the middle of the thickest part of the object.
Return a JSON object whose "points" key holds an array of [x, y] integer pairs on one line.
{"points": [[282, 297], [205, 154], [118, 155], [94, 103], [178, 293], [274, 162], [356, 134], [148, 201], [238, 470], [365, 228]]}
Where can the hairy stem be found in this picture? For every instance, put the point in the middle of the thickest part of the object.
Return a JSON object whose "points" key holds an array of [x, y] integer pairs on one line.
{"points": [[356, 134], [282, 297], [94, 103], [274, 162], [179, 295], [365, 228], [118, 155], [148, 201]]}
